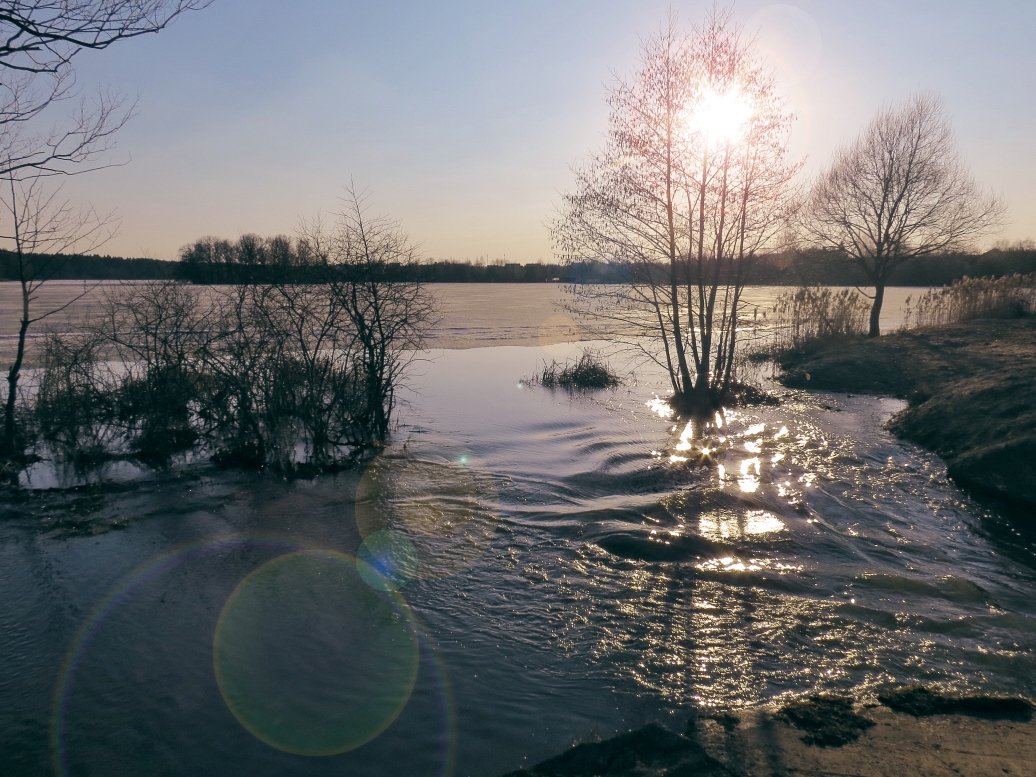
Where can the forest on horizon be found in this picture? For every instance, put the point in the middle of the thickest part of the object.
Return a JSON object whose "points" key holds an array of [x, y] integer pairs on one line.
{"points": [[788, 268]]}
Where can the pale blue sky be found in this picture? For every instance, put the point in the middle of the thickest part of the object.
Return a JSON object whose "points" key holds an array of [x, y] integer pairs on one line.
{"points": [[464, 117]]}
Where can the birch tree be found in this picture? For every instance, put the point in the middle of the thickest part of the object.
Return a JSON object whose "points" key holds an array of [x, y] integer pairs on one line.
{"points": [[690, 185]]}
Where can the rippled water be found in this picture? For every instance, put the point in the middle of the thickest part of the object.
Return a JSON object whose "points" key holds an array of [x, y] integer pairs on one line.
{"points": [[565, 564]]}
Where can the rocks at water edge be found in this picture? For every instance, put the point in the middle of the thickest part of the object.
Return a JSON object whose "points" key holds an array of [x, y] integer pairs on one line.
{"points": [[651, 751]]}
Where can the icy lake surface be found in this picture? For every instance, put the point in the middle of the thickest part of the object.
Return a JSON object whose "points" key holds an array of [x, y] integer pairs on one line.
{"points": [[555, 566]]}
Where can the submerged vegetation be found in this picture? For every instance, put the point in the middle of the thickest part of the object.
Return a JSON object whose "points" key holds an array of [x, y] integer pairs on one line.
{"points": [[590, 371], [262, 375], [293, 376]]}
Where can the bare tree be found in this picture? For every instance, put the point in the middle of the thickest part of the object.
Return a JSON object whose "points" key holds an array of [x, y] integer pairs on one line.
{"points": [[367, 259], [43, 231], [38, 41], [690, 185], [899, 191], [42, 36]]}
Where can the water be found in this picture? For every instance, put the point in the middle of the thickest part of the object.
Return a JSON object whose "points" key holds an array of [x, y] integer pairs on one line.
{"points": [[566, 574], [473, 315]]}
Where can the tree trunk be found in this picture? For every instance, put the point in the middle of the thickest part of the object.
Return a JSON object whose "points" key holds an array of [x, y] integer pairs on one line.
{"points": [[10, 446], [879, 296]]}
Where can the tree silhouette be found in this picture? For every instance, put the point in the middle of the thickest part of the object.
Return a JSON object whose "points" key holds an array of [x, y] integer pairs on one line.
{"points": [[691, 183], [900, 191]]}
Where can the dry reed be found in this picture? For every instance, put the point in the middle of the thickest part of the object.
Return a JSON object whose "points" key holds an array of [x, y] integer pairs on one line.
{"points": [[814, 314], [967, 299]]}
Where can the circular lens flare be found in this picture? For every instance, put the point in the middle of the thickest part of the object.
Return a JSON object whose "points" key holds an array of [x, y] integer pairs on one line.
{"points": [[387, 560], [310, 659], [435, 496]]}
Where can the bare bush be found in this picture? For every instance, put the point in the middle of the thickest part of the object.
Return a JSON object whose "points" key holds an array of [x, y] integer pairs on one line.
{"points": [[367, 258], [151, 333], [282, 381], [276, 374], [284, 375], [1011, 296], [74, 403]]}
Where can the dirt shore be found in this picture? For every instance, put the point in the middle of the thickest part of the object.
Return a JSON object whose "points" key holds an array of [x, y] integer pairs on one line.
{"points": [[971, 389], [769, 742]]}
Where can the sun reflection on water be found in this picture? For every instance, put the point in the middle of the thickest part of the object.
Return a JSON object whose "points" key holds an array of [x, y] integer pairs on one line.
{"points": [[733, 612], [728, 525]]}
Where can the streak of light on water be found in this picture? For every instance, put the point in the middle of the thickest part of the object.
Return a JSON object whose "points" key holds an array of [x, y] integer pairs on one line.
{"points": [[572, 562]]}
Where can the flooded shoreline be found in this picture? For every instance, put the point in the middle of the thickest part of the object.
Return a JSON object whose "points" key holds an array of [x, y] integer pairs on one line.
{"points": [[970, 391], [814, 552]]}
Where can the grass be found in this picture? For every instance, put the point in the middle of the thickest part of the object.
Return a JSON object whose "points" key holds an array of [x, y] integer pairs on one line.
{"points": [[588, 373]]}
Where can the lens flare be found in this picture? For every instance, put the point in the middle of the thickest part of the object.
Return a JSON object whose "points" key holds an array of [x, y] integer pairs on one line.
{"points": [[723, 116], [310, 659], [434, 496], [387, 560], [63, 724]]}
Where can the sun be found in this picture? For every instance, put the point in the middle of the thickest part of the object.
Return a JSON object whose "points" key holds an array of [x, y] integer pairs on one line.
{"points": [[723, 116]]}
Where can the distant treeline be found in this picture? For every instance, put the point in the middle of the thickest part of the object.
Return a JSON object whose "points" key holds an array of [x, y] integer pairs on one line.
{"points": [[96, 268], [253, 259], [830, 269]]}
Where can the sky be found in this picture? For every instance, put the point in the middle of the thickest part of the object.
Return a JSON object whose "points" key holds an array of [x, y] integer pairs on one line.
{"points": [[463, 119]]}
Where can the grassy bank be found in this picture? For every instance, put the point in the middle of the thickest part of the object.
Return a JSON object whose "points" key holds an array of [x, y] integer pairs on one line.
{"points": [[971, 389]]}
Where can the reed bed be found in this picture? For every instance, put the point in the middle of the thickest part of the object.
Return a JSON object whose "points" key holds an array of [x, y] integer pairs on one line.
{"points": [[1011, 296], [589, 372], [813, 314]]}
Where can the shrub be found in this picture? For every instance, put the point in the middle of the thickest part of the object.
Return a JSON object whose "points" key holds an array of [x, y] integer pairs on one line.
{"points": [[153, 332], [261, 375], [74, 404]]}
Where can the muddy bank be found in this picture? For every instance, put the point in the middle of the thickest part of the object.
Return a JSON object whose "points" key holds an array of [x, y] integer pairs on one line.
{"points": [[971, 389], [911, 731]]}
